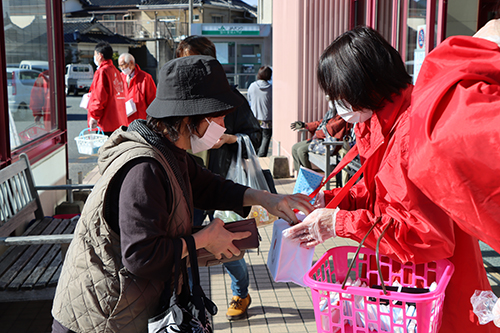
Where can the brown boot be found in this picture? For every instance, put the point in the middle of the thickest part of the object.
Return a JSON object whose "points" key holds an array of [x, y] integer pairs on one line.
{"points": [[238, 307]]}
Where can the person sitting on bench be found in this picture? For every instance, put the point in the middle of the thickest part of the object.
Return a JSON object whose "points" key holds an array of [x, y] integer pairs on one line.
{"points": [[331, 127]]}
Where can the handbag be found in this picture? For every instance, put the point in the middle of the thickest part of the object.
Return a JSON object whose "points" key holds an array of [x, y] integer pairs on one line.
{"points": [[185, 311], [206, 258]]}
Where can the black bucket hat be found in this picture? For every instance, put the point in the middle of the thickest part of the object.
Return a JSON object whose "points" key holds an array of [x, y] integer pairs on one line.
{"points": [[190, 86]]}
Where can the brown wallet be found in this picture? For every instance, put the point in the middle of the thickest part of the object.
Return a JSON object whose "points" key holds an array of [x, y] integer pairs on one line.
{"points": [[206, 258]]}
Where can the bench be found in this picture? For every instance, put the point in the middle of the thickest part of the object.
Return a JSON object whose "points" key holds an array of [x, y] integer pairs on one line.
{"points": [[327, 162], [31, 265]]}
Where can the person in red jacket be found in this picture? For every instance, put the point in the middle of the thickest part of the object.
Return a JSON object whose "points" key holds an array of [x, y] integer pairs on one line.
{"points": [[106, 106], [139, 86], [368, 80], [40, 100], [332, 126]]}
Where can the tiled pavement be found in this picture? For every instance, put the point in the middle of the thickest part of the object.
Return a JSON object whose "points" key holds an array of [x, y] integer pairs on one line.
{"points": [[276, 307]]}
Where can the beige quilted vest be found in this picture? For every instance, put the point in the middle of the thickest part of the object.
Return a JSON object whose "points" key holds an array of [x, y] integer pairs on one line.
{"points": [[95, 292]]}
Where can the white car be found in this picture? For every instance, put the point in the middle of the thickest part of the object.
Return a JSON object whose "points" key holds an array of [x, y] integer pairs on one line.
{"points": [[19, 85], [78, 78]]}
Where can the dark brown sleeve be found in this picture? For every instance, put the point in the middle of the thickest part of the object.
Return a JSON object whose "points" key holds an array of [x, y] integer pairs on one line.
{"points": [[144, 206], [210, 191]]}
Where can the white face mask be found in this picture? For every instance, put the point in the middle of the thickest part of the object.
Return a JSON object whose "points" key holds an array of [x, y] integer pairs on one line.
{"points": [[351, 116], [95, 61], [209, 139], [126, 71]]}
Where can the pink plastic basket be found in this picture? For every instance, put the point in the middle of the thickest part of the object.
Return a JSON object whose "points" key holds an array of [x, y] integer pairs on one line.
{"points": [[360, 309]]}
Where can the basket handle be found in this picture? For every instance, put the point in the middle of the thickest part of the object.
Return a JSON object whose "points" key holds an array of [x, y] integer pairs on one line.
{"points": [[99, 131], [377, 253]]}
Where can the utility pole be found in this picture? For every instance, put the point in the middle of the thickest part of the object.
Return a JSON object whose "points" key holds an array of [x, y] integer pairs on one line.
{"points": [[190, 20]]}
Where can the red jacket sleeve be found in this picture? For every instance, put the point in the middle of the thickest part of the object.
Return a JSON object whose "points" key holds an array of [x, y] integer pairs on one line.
{"points": [[338, 127], [312, 126], [150, 89], [99, 95]]}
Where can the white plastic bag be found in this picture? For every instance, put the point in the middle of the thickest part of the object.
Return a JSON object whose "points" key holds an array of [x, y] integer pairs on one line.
{"points": [[486, 306], [244, 172], [287, 261], [247, 171]]}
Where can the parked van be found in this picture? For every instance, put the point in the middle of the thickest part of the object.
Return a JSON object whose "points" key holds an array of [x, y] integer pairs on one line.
{"points": [[37, 65], [20, 82], [78, 77]]}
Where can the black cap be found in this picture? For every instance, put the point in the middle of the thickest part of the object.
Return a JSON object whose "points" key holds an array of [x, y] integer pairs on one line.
{"points": [[193, 85]]}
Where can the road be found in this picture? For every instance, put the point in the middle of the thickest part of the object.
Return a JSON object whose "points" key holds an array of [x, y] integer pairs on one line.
{"points": [[77, 121]]}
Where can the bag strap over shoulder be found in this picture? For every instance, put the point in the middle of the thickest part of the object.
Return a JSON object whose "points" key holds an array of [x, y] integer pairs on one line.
{"points": [[174, 299], [199, 300]]}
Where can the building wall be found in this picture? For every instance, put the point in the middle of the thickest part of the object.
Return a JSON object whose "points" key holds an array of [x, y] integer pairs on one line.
{"points": [[462, 17], [302, 29], [265, 12]]}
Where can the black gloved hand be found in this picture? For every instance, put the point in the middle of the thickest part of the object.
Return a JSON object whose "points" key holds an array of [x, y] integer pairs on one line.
{"points": [[296, 125]]}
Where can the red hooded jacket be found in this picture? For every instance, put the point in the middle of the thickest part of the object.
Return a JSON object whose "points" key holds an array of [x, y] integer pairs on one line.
{"points": [[456, 121], [142, 90], [422, 232], [107, 98]]}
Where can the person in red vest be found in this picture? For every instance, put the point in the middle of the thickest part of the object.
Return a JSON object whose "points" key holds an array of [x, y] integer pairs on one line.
{"points": [[139, 86], [106, 106]]}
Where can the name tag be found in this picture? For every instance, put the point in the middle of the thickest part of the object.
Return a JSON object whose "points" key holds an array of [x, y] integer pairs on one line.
{"points": [[84, 103], [130, 107]]}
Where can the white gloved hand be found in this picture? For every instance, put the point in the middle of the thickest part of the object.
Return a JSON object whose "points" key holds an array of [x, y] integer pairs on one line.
{"points": [[315, 229], [320, 200], [92, 123], [496, 313]]}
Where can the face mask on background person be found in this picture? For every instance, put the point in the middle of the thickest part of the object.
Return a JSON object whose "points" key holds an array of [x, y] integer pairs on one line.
{"points": [[127, 71], [209, 139], [351, 116], [95, 61]]}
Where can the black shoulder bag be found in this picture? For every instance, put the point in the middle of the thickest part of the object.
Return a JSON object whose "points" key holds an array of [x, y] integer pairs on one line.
{"points": [[186, 311]]}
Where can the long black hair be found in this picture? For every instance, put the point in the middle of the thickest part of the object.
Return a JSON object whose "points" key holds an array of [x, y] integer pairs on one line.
{"points": [[362, 68]]}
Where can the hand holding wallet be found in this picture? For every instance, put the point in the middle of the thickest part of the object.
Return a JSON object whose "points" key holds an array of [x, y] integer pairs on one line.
{"points": [[206, 258]]}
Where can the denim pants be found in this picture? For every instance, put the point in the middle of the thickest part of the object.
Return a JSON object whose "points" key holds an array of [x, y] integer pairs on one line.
{"points": [[238, 271]]}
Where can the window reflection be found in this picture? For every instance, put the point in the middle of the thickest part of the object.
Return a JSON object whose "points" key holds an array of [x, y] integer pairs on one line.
{"points": [[415, 49], [249, 62], [28, 73]]}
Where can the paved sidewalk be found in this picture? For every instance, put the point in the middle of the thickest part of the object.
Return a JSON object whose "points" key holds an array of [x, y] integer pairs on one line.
{"points": [[276, 307]]}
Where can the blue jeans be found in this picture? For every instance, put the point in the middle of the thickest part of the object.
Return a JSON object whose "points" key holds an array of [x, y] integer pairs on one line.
{"points": [[238, 271]]}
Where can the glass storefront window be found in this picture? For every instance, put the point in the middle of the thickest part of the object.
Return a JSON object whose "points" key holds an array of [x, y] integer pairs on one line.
{"points": [[249, 62], [28, 71], [241, 61], [415, 45]]}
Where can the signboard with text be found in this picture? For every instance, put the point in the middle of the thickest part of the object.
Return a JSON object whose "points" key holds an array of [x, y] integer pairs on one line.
{"points": [[231, 30]]}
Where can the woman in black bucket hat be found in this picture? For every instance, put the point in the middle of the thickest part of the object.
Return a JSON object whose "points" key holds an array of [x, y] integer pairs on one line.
{"points": [[121, 256]]}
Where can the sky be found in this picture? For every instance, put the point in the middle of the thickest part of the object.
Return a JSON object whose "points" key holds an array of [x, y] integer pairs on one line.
{"points": [[251, 2]]}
